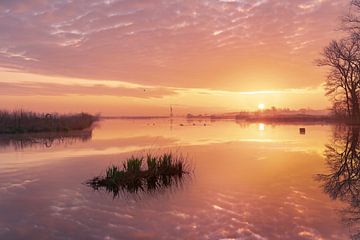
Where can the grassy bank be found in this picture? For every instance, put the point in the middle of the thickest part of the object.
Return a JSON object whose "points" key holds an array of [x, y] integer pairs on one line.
{"points": [[31, 122], [142, 174]]}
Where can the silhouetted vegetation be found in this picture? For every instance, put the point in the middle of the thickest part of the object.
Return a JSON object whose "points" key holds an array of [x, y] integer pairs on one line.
{"points": [[343, 81], [287, 118], [272, 115], [161, 171], [343, 180], [30, 122], [342, 57]]}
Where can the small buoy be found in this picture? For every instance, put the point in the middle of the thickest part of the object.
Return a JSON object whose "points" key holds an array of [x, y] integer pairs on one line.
{"points": [[181, 124], [302, 130]]}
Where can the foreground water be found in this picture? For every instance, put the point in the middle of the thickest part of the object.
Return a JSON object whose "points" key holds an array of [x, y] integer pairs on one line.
{"points": [[250, 181]]}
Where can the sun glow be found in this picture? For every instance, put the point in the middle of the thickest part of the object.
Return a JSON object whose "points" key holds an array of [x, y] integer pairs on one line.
{"points": [[261, 126], [261, 106]]}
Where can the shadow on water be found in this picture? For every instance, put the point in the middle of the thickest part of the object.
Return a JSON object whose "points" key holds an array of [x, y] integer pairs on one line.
{"points": [[343, 180], [43, 140]]}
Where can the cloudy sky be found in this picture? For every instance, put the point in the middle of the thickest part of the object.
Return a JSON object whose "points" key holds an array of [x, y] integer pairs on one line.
{"points": [[127, 57]]}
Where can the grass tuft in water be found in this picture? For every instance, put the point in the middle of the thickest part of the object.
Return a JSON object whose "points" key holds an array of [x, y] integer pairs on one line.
{"points": [[159, 171]]}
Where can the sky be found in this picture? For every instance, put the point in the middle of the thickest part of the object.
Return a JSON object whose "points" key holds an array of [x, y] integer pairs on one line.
{"points": [[138, 57]]}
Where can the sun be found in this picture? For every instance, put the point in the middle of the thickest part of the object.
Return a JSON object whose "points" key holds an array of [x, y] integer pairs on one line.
{"points": [[261, 106]]}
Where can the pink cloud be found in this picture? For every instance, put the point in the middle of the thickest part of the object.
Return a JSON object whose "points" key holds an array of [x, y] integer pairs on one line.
{"points": [[213, 44]]}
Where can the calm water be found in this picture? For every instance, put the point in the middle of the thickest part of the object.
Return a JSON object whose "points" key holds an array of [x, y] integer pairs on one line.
{"points": [[250, 181]]}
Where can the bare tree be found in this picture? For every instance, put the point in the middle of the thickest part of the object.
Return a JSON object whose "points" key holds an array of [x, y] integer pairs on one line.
{"points": [[343, 81], [351, 22]]}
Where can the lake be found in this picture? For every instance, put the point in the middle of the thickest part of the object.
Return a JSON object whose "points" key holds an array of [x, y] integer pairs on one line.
{"points": [[249, 181]]}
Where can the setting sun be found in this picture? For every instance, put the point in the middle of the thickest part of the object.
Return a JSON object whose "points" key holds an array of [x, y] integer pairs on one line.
{"points": [[261, 106]]}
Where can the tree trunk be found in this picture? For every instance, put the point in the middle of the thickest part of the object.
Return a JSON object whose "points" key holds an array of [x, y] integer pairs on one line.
{"points": [[355, 108]]}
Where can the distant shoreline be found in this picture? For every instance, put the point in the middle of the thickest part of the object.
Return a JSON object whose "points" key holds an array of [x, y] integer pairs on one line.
{"points": [[297, 118], [283, 119], [134, 117]]}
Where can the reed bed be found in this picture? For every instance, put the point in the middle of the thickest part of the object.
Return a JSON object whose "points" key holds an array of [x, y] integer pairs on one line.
{"points": [[31, 122]]}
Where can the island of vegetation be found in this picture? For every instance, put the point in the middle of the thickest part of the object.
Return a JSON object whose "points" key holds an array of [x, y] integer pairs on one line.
{"points": [[30, 122], [161, 171]]}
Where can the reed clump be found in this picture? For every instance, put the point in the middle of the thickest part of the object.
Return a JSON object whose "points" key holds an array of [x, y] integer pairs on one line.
{"points": [[31, 122], [142, 174]]}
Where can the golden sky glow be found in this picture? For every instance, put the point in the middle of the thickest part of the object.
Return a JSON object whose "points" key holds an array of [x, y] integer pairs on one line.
{"points": [[137, 57]]}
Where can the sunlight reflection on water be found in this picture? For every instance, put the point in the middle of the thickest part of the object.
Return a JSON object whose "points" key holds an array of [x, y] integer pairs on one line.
{"points": [[251, 181]]}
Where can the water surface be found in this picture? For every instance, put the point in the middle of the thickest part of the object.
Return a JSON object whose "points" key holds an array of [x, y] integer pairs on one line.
{"points": [[250, 181]]}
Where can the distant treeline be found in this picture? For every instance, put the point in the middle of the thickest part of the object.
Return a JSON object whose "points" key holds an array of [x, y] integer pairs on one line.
{"points": [[288, 118], [30, 122], [259, 117]]}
